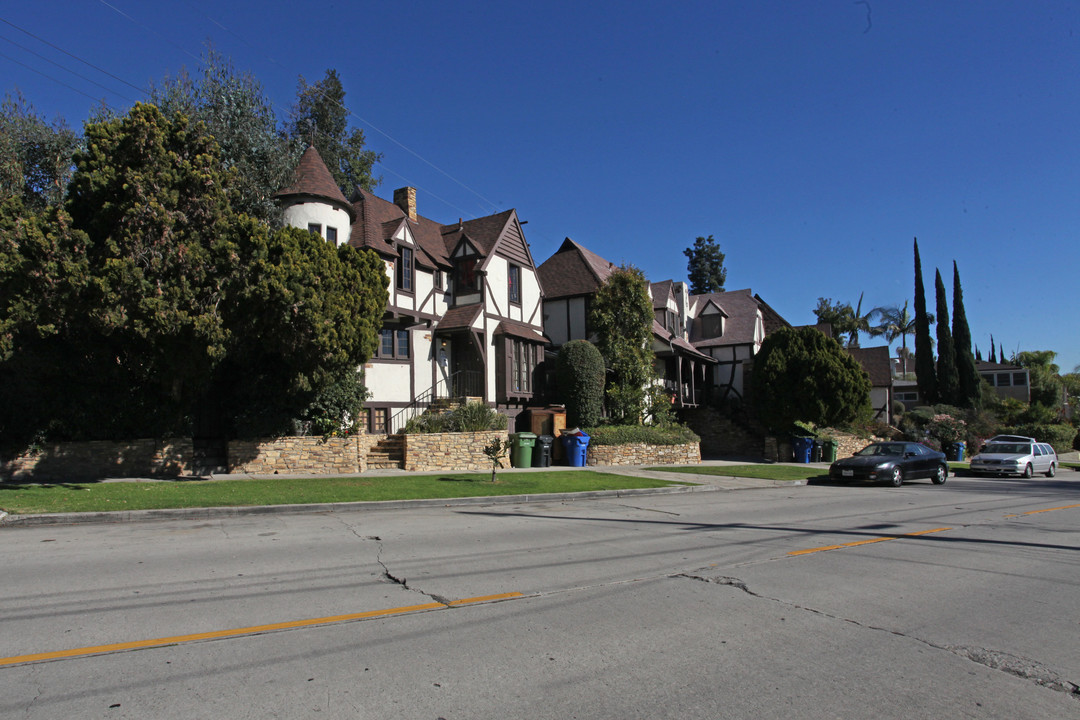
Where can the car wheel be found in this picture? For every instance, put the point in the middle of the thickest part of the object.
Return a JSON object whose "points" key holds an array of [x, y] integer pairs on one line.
{"points": [[896, 477], [1028, 471], [1051, 471], [941, 474]]}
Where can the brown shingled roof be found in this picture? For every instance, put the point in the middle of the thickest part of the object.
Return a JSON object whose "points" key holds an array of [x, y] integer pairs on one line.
{"points": [[459, 318], [875, 361], [741, 309], [313, 179], [573, 270]]}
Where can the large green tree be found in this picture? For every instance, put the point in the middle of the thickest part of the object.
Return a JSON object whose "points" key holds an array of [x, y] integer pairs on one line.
{"points": [[43, 276], [321, 118], [151, 196], [622, 316], [36, 156], [240, 118], [840, 316], [705, 266], [802, 375], [302, 316], [970, 384], [947, 378], [925, 373], [156, 304]]}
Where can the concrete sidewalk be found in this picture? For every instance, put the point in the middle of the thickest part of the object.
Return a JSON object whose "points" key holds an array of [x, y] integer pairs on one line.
{"points": [[704, 483]]}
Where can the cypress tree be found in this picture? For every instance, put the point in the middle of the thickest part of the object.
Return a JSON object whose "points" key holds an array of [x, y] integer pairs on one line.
{"points": [[925, 375], [993, 352], [947, 377], [965, 361]]}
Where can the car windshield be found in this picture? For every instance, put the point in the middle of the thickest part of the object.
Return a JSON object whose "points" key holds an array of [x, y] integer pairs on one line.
{"points": [[1008, 449], [881, 449]]}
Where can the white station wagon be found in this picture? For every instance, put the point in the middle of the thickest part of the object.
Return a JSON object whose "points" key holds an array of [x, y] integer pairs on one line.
{"points": [[1014, 455]]}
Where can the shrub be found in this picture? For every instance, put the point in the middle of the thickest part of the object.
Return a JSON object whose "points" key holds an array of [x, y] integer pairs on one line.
{"points": [[470, 417], [673, 434], [579, 373]]}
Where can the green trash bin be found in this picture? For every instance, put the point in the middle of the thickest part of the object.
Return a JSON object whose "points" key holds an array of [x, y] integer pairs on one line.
{"points": [[521, 448], [828, 451]]}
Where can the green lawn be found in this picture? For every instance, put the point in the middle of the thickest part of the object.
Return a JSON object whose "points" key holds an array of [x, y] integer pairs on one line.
{"points": [[98, 496], [764, 471]]}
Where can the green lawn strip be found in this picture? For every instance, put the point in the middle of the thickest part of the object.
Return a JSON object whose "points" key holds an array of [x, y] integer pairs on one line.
{"points": [[765, 472], [99, 496]]}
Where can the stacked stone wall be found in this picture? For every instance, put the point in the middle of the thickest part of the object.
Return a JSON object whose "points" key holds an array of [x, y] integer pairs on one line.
{"points": [[643, 454], [437, 452], [308, 454], [97, 459]]}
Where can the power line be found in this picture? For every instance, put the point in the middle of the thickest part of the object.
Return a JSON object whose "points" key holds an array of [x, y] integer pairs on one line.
{"points": [[73, 56], [49, 77], [53, 62]]}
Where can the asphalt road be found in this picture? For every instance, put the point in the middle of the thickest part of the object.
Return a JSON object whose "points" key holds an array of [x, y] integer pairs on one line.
{"points": [[953, 601]]}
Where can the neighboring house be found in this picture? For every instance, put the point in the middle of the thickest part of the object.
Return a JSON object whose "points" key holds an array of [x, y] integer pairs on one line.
{"points": [[729, 327], [878, 365], [1011, 381], [703, 343], [464, 314]]}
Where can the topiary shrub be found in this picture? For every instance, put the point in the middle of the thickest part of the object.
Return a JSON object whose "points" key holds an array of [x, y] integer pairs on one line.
{"points": [[579, 374], [672, 434]]}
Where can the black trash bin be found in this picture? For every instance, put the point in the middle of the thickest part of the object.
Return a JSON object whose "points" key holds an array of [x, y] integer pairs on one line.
{"points": [[815, 452], [542, 451]]}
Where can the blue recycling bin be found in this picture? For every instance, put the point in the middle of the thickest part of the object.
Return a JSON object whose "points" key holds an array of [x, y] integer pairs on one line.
{"points": [[576, 447], [802, 446]]}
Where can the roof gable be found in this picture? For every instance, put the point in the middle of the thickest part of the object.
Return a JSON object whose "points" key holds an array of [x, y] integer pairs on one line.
{"points": [[573, 270]]}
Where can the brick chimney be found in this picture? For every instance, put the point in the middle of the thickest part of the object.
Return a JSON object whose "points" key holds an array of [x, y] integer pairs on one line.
{"points": [[405, 198]]}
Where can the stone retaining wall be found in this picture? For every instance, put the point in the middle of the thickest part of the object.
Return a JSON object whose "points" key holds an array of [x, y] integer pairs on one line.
{"points": [[308, 454], [437, 452], [643, 454], [96, 459]]}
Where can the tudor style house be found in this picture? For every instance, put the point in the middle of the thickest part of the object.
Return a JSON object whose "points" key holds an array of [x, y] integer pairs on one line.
{"points": [[463, 318], [702, 343]]}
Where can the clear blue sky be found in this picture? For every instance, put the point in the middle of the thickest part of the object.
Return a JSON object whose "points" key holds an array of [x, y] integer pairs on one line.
{"points": [[814, 140]]}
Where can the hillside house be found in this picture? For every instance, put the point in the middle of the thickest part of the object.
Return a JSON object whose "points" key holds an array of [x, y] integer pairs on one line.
{"points": [[463, 319]]}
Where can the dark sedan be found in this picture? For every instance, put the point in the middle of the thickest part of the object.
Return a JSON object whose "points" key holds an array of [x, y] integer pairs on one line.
{"points": [[892, 462]]}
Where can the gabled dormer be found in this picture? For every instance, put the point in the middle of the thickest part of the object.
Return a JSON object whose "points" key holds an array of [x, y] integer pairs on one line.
{"points": [[314, 202], [709, 322]]}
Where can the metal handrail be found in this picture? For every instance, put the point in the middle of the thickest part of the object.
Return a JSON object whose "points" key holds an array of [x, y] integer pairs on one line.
{"points": [[463, 383]]}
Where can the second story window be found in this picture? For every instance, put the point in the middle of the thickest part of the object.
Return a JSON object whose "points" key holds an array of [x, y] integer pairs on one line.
{"points": [[710, 326], [393, 344], [514, 284], [331, 235], [314, 228], [405, 270], [437, 279], [466, 276]]}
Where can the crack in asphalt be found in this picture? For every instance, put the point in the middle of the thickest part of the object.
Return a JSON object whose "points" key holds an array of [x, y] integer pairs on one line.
{"points": [[388, 576], [645, 509], [1021, 667]]}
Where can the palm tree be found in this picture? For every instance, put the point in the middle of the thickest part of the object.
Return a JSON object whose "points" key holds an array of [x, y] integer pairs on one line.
{"points": [[896, 322], [860, 323]]}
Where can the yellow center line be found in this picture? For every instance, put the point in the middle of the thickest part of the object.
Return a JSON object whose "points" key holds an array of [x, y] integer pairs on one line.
{"points": [[866, 542], [1035, 512], [253, 630]]}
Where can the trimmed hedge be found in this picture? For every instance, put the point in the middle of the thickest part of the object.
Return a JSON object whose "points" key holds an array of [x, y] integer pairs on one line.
{"points": [[649, 434]]}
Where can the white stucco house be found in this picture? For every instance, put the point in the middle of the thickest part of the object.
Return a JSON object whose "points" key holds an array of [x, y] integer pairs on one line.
{"points": [[464, 316]]}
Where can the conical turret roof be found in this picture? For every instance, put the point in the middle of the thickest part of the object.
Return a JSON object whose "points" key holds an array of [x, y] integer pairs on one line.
{"points": [[313, 179]]}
